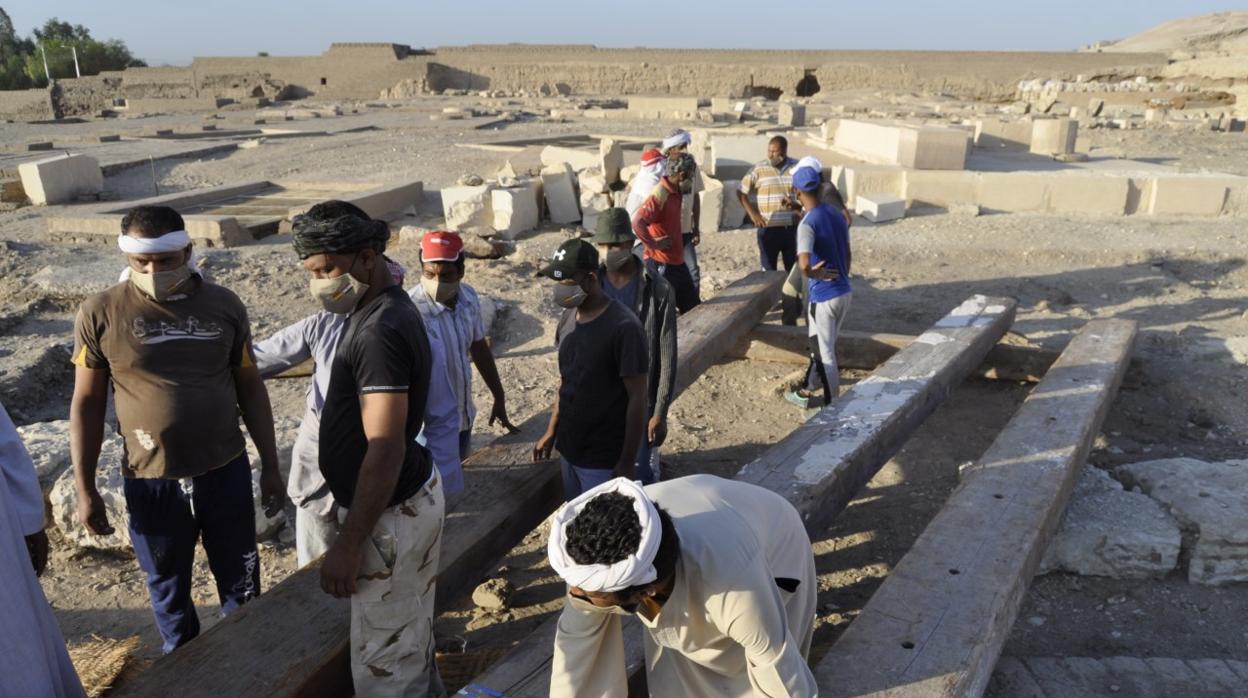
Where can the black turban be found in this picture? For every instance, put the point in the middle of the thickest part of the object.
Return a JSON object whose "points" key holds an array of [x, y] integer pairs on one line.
{"points": [[341, 235]]}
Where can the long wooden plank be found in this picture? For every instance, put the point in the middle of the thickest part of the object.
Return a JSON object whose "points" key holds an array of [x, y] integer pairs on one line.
{"points": [[937, 624], [865, 427], [867, 350], [824, 462], [293, 639]]}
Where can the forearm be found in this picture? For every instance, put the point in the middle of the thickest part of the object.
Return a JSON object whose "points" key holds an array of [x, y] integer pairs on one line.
{"points": [[86, 436], [803, 262], [666, 393], [634, 427], [483, 359], [641, 227], [553, 426], [374, 487], [253, 400], [748, 205]]}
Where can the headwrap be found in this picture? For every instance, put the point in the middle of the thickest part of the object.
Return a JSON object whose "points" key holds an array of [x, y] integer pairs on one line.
{"points": [[341, 235], [652, 161], [676, 138], [681, 162], [634, 570], [174, 241]]}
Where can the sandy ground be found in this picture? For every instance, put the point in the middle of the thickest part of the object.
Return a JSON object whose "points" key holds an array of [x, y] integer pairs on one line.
{"points": [[1183, 280]]}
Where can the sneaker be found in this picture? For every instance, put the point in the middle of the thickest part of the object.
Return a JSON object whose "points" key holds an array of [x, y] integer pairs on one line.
{"points": [[797, 398]]}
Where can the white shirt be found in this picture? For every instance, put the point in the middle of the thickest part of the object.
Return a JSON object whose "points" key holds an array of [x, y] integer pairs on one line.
{"points": [[457, 328]]}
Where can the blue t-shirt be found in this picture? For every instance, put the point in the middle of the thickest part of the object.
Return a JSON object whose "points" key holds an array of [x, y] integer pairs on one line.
{"points": [[625, 295], [824, 235]]}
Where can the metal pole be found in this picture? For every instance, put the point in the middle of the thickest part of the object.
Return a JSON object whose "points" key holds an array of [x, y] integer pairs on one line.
{"points": [[77, 72], [46, 74]]}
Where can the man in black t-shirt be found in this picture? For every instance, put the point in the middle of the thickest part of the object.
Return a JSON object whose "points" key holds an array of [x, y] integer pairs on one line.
{"points": [[385, 557], [600, 414]]}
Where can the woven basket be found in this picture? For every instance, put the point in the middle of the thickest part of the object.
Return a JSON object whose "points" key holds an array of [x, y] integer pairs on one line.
{"points": [[99, 661], [459, 669]]}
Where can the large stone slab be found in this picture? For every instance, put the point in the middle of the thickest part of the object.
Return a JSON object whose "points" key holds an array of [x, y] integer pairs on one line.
{"points": [[733, 216], [1111, 532], [580, 159], [558, 185], [1054, 136], [856, 180], [942, 188], [711, 204], [610, 159], [791, 114], [60, 179], [515, 209], [907, 145], [467, 207], [1210, 501], [1089, 194], [1187, 196], [733, 156]]}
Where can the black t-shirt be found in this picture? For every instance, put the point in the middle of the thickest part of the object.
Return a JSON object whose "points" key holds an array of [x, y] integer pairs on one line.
{"points": [[384, 349], [593, 403]]}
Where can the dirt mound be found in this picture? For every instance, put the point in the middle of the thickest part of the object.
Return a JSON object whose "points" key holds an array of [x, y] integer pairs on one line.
{"points": [[1221, 32]]}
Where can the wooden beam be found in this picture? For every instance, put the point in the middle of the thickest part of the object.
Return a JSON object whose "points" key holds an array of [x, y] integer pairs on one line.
{"points": [[937, 624], [293, 639], [827, 459], [824, 462], [867, 350]]}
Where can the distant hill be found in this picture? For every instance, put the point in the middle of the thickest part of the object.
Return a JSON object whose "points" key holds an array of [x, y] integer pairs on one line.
{"points": [[1222, 31]]}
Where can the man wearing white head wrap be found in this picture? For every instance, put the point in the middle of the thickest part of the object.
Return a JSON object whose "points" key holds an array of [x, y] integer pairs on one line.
{"points": [[720, 574], [678, 141]]}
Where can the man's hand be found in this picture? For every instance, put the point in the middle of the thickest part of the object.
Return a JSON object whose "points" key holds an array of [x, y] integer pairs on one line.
{"points": [[819, 273], [628, 470], [37, 546], [499, 413], [664, 243], [91, 512], [697, 238], [545, 447], [656, 431], [272, 493], [757, 219], [339, 568]]}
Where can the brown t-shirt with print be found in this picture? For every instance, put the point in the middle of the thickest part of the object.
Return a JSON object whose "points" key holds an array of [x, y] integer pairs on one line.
{"points": [[171, 367]]}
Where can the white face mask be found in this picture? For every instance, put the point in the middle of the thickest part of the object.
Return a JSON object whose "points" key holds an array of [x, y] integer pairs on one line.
{"points": [[439, 290], [338, 295], [161, 285]]}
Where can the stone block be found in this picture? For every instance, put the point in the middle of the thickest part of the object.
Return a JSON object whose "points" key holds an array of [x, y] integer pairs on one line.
{"points": [[791, 114], [559, 188], [592, 180], [1154, 115], [61, 179], [943, 189], [871, 141], [733, 156], [113, 138], [467, 207], [515, 209], [855, 180], [42, 145], [1110, 532], [593, 203], [663, 105], [711, 205], [610, 159], [1054, 136], [733, 216], [1210, 502], [878, 207], [1089, 194], [933, 148], [1187, 196], [579, 159], [1013, 192]]}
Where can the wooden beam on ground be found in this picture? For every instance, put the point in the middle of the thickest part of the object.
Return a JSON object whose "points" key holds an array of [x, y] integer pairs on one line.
{"points": [[867, 350], [937, 624], [293, 639], [824, 462]]}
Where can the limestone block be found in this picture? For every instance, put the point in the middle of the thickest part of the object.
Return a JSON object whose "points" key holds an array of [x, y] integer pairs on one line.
{"points": [[711, 205], [1210, 501], [827, 130], [610, 159], [997, 134], [467, 206], [733, 216], [1054, 136], [579, 159], [933, 148], [1188, 196], [1154, 115], [593, 203], [1013, 192], [592, 180], [48, 446], [558, 185], [856, 180], [1111, 532], [944, 189], [515, 209], [871, 141], [60, 179], [878, 207], [791, 114], [1088, 194], [628, 172], [733, 156]]}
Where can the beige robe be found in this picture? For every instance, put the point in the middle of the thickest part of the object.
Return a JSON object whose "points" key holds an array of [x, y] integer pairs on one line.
{"points": [[728, 629]]}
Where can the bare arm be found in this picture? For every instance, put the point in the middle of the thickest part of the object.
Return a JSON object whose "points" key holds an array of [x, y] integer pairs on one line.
{"points": [[253, 400], [545, 446], [483, 359], [750, 209], [634, 425], [384, 417], [86, 435]]}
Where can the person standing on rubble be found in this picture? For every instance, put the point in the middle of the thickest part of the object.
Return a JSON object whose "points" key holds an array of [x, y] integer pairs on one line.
{"points": [[176, 350], [385, 557], [657, 224]]}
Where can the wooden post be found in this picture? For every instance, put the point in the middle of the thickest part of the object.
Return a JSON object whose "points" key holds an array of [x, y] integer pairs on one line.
{"points": [[293, 639], [937, 624], [822, 463]]}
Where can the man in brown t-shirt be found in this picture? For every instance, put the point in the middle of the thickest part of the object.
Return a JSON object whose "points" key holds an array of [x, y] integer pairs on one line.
{"points": [[177, 351]]}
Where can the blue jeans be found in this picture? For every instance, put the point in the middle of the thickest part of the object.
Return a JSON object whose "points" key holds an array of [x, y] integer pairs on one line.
{"points": [[647, 462], [691, 261], [778, 242], [165, 523], [577, 481]]}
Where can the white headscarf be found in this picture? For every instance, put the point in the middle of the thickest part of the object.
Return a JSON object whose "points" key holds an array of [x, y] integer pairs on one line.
{"points": [[678, 137], [174, 241], [633, 570]]}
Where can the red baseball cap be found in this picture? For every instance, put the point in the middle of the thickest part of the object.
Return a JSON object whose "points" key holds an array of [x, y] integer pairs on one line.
{"points": [[440, 246]]}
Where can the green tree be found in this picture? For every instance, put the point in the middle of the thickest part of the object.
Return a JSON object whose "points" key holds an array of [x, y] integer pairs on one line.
{"points": [[59, 40], [13, 52]]}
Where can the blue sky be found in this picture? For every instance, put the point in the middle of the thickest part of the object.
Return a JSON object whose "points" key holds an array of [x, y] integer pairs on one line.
{"points": [[174, 31]]}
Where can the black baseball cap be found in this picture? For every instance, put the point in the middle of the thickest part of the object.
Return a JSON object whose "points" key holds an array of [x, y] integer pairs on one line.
{"points": [[572, 256]]}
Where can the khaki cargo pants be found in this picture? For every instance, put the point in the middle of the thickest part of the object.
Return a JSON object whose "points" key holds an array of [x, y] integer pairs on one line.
{"points": [[392, 649]]}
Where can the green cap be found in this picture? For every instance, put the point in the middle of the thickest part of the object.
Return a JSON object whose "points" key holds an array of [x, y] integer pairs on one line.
{"points": [[614, 227], [572, 256]]}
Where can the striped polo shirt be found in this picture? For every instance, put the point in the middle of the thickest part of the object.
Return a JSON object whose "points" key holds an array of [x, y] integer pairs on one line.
{"points": [[773, 185]]}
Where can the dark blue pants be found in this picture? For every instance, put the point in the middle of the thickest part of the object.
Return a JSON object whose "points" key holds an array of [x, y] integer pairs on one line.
{"points": [[777, 242], [682, 284], [165, 523]]}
